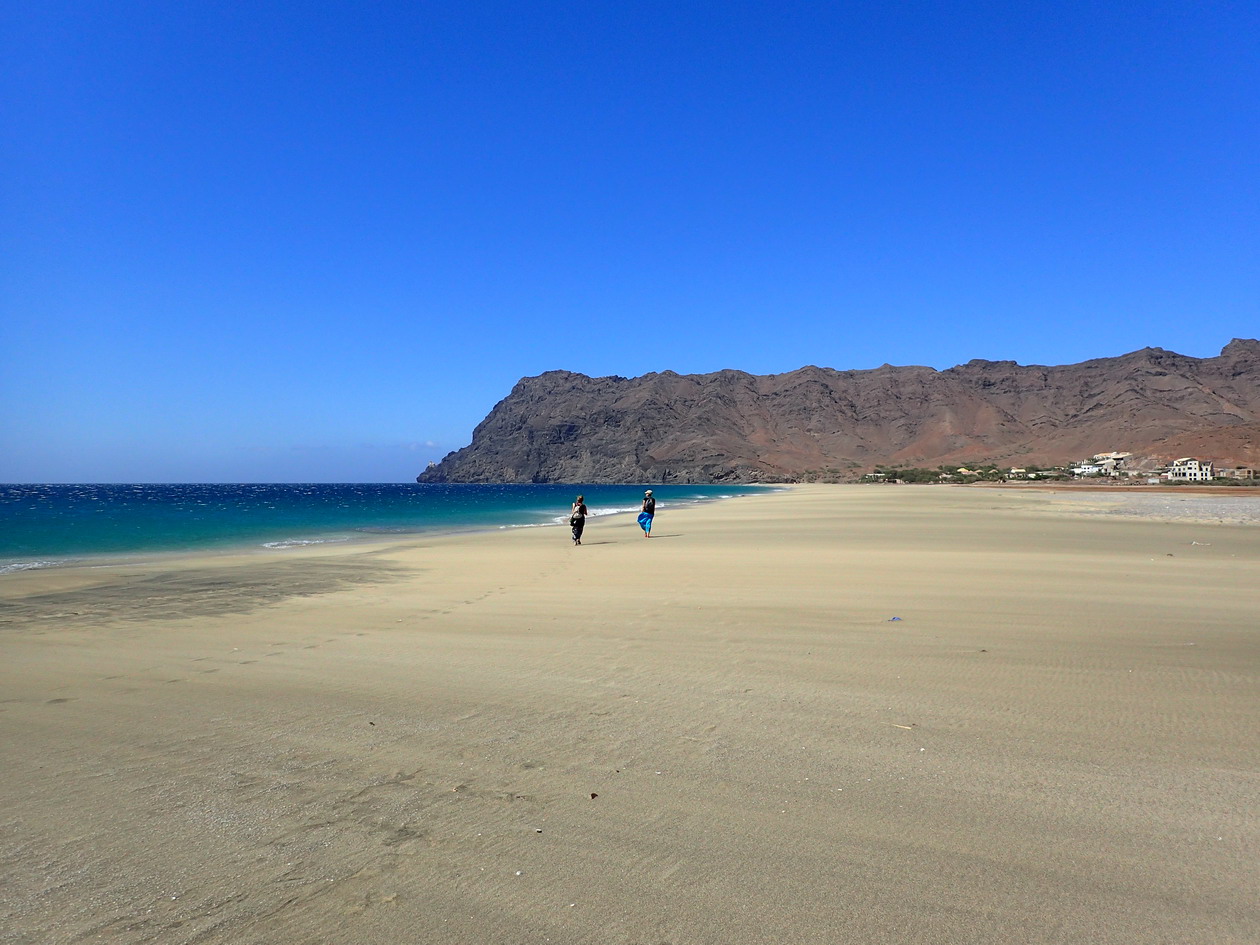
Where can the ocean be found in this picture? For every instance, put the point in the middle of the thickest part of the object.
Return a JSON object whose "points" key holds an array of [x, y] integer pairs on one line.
{"points": [[55, 525]]}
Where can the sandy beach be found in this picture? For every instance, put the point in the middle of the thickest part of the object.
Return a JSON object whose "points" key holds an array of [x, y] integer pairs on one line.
{"points": [[833, 714]]}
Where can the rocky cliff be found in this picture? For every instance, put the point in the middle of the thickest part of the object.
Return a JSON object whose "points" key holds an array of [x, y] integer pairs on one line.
{"points": [[735, 427]]}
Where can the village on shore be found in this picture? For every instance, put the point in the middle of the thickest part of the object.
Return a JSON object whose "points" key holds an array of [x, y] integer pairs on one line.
{"points": [[1112, 467]]}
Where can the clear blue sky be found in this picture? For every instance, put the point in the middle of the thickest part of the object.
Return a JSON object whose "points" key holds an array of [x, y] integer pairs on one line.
{"points": [[280, 241]]}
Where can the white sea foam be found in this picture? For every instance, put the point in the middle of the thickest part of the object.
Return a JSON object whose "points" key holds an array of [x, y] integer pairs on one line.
{"points": [[16, 566], [302, 542], [597, 512]]}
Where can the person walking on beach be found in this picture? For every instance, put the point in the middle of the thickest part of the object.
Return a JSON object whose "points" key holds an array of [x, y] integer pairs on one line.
{"points": [[577, 519], [646, 516]]}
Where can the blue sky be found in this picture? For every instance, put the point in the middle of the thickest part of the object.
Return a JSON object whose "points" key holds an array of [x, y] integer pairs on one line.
{"points": [[279, 241]]}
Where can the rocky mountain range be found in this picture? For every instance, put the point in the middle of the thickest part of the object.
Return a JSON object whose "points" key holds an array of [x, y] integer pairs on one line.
{"points": [[730, 426]]}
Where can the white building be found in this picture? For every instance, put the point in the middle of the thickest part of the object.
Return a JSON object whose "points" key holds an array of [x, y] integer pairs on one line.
{"points": [[1189, 469], [1110, 463]]}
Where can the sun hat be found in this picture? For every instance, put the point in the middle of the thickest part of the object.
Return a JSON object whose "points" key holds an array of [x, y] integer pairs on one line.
{"points": [[649, 492]]}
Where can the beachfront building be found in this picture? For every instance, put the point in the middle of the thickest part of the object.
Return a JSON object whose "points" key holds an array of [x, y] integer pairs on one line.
{"points": [[1236, 472], [1102, 464], [1189, 469], [1111, 463]]}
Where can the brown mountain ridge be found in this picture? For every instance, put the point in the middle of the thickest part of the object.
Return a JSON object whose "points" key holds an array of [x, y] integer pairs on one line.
{"points": [[730, 426]]}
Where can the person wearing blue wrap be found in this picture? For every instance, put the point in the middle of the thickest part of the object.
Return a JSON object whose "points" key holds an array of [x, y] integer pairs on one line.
{"points": [[648, 513]]}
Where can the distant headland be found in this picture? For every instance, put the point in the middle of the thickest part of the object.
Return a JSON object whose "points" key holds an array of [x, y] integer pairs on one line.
{"points": [[820, 423]]}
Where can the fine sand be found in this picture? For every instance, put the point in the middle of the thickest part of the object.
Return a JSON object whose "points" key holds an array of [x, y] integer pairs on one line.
{"points": [[719, 735]]}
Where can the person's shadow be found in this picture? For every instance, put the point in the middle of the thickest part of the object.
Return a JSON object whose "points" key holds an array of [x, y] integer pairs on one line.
{"points": [[614, 541]]}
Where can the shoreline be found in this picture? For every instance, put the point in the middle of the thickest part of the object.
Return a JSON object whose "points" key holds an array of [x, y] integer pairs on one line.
{"points": [[356, 537], [842, 714], [87, 571], [368, 537]]}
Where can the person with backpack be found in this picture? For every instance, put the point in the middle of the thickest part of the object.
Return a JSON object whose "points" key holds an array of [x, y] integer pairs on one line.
{"points": [[577, 519], [646, 516]]}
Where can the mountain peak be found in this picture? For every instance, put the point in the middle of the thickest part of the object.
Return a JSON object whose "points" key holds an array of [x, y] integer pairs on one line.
{"points": [[1241, 347]]}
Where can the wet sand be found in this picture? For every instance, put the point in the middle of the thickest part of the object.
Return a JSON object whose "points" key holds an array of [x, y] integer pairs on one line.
{"points": [[719, 735]]}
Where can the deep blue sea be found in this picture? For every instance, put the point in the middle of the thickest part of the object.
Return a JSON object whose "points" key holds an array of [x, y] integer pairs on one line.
{"points": [[51, 525]]}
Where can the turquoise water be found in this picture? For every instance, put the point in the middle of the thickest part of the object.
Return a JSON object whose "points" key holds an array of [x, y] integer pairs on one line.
{"points": [[48, 525]]}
